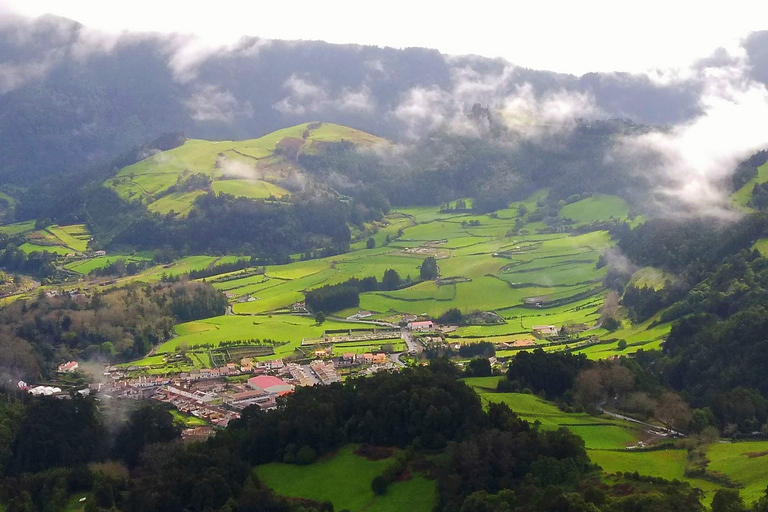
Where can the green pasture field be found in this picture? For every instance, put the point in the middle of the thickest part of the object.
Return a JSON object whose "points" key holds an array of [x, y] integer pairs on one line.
{"points": [[762, 246], [187, 420], [75, 236], [344, 479], [85, 266], [596, 208], [597, 432], [742, 196], [253, 189], [56, 249], [356, 348], [18, 228], [180, 203], [640, 336], [144, 179], [212, 331], [744, 462], [649, 277], [552, 267]]}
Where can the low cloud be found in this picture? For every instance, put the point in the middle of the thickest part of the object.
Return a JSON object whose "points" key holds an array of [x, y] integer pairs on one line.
{"points": [[211, 104], [305, 97], [237, 169], [518, 107], [692, 162]]}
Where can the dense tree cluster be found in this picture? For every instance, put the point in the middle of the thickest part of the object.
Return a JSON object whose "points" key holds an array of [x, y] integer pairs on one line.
{"points": [[39, 334], [716, 350], [552, 373]]}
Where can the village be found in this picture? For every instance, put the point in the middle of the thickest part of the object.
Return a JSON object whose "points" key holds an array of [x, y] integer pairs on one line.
{"points": [[218, 395]]}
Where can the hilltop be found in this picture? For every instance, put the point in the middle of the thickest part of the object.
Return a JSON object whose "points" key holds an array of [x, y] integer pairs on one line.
{"points": [[264, 168]]}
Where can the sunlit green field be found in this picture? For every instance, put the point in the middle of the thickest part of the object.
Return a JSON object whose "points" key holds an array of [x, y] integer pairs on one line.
{"points": [[596, 208], [18, 228], [253, 189], [742, 196], [344, 479], [744, 462], [150, 178], [212, 331]]}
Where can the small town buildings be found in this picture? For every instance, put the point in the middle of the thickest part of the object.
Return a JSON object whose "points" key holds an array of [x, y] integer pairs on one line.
{"points": [[421, 326], [99, 253], [379, 358], [68, 367], [360, 315], [270, 384], [544, 330]]}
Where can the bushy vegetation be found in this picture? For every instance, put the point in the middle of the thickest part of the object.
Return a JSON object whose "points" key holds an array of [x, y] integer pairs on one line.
{"points": [[125, 323]]}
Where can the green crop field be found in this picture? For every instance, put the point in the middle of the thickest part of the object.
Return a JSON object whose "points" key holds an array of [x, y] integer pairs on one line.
{"points": [[254, 189], [598, 432], [56, 249], [745, 463], [18, 228], [742, 196], [85, 266], [596, 208], [488, 271], [344, 479], [649, 277], [75, 237], [212, 331], [256, 159]]}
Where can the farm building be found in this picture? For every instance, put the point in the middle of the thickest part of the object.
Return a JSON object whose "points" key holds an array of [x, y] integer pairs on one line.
{"points": [[100, 253], [379, 358], [68, 367], [421, 326], [544, 330], [524, 343], [270, 384]]}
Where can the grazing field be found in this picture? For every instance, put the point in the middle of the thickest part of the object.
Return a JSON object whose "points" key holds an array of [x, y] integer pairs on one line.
{"points": [[258, 160], [597, 432], [75, 236], [527, 279], [743, 462], [599, 207], [56, 249], [650, 277], [254, 189], [18, 228], [211, 332], [344, 479], [742, 196], [86, 266]]}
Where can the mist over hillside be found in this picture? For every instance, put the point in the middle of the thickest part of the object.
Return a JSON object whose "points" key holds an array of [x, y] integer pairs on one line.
{"points": [[72, 95]]}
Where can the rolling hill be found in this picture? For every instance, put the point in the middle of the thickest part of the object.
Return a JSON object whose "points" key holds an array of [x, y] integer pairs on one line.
{"points": [[267, 167]]}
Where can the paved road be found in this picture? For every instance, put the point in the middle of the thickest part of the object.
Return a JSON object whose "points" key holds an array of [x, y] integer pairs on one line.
{"points": [[661, 430]]}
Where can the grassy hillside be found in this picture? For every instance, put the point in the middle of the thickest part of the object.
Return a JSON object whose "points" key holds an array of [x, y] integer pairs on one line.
{"points": [[742, 196], [344, 479], [250, 168]]}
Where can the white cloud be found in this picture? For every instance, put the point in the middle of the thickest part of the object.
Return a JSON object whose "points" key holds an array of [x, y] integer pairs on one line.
{"points": [[210, 103], [693, 161]]}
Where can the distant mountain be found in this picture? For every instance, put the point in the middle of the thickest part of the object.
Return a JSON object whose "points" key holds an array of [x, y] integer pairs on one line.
{"points": [[71, 98]]}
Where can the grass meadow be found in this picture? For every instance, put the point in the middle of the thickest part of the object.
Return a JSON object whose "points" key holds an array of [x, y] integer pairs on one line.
{"points": [[344, 479]]}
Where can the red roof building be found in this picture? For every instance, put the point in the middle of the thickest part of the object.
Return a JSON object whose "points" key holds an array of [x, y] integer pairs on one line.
{"points": [[270, 384]]}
